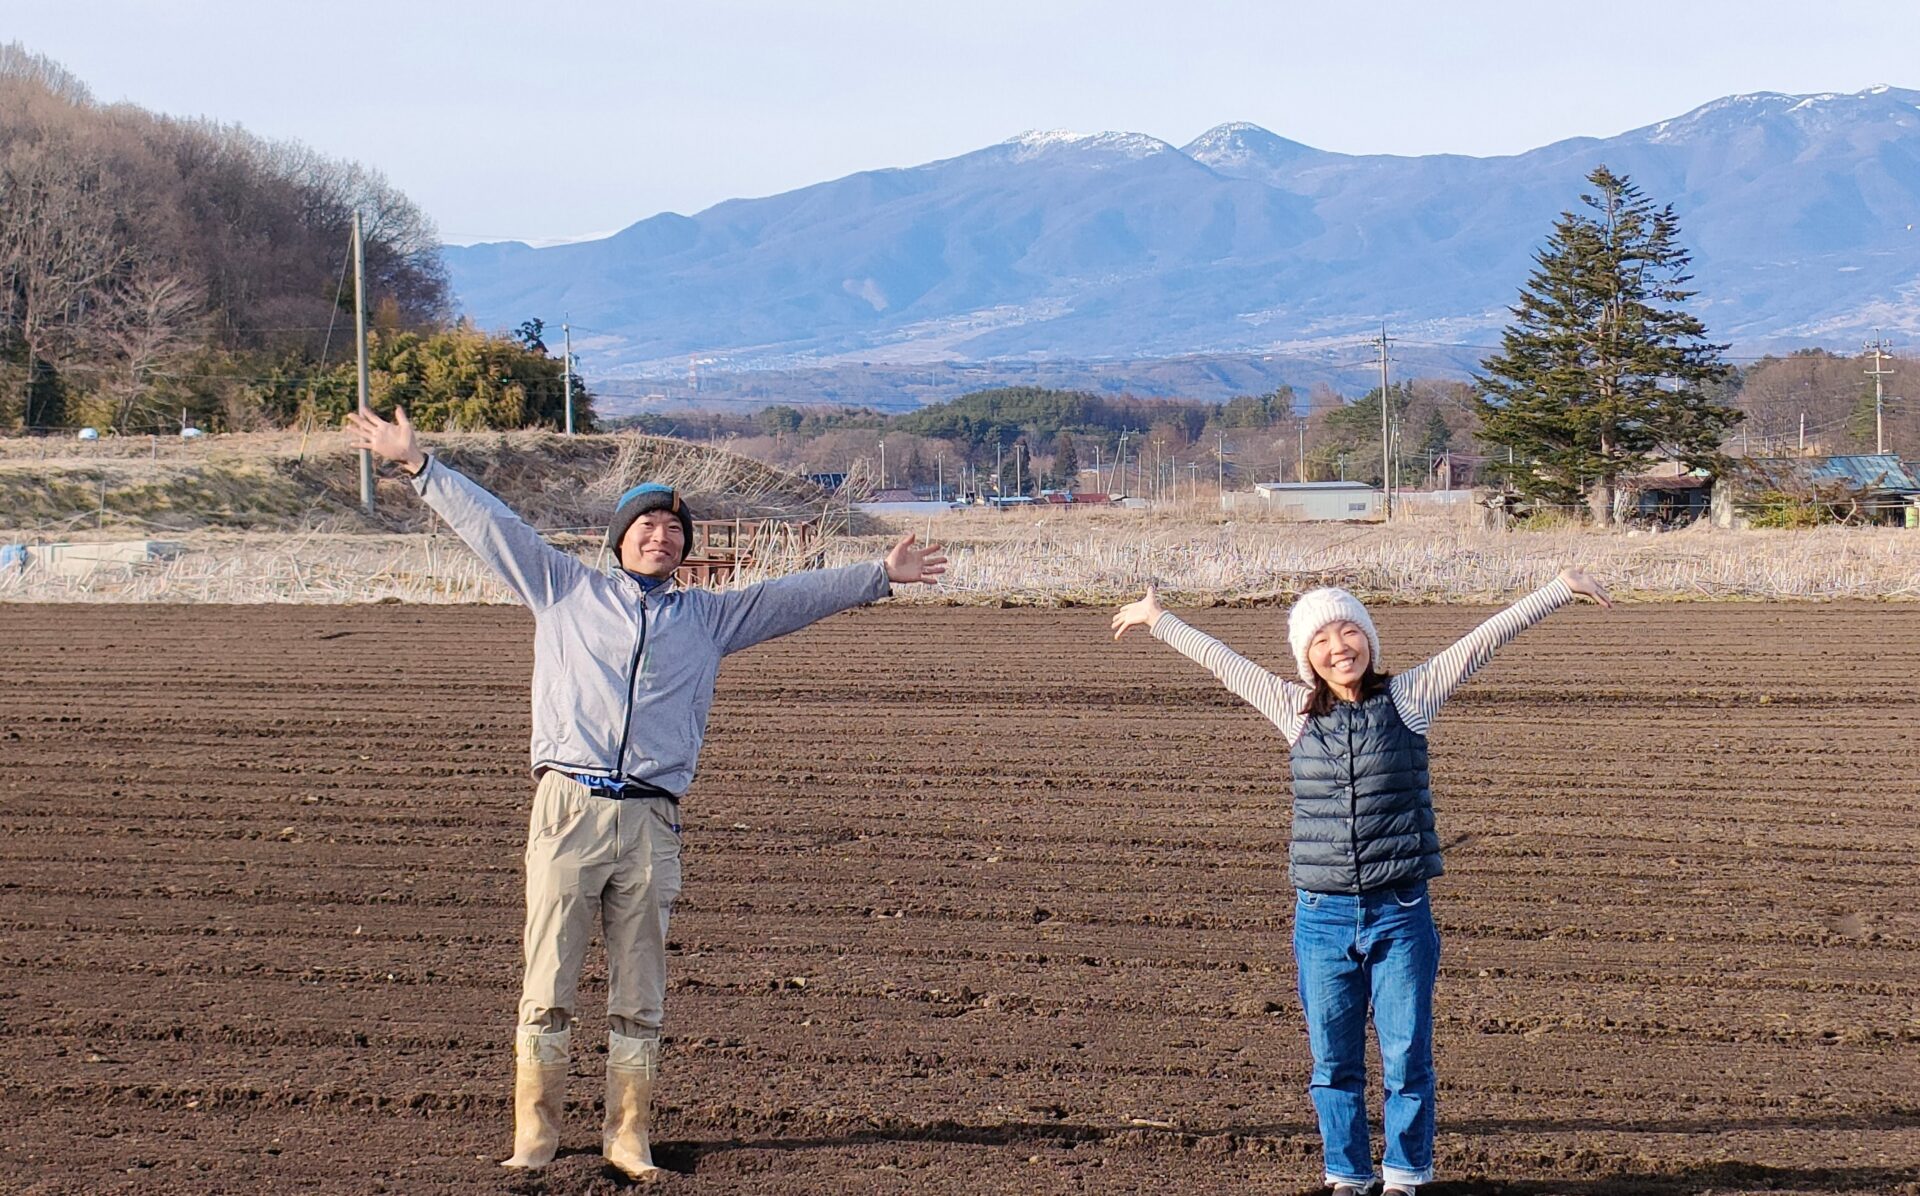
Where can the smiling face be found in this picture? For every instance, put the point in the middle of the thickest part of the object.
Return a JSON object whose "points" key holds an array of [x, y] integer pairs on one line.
{"points": [[1340, 656], [654, 545]]}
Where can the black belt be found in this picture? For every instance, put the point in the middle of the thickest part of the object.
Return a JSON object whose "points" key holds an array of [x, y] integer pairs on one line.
{"points": [[619, 790]]}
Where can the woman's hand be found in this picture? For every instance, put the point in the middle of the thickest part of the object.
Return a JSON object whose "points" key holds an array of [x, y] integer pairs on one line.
{"points": [[1584, 586], [389, 441], [1138, 614], [908, 562]]}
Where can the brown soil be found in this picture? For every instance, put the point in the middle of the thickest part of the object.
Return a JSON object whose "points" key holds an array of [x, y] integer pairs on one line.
{"points": [[976, 901]]}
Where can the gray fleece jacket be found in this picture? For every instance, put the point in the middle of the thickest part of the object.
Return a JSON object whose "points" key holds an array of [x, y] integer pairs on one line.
{"points": [[622, 679]]}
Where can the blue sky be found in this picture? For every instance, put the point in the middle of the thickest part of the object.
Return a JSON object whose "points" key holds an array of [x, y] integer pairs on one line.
{"points": [[568, 119]]}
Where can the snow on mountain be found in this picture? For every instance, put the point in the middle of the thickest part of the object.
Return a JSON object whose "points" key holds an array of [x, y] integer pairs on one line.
{"points": [[1034, 143]]}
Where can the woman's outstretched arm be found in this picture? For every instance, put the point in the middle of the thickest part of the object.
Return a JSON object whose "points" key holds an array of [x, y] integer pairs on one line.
{"points": [[1283, 702], [1422, 690]]}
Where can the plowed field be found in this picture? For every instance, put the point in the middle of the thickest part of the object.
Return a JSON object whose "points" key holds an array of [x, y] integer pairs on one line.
{"points": [[976, 901]]}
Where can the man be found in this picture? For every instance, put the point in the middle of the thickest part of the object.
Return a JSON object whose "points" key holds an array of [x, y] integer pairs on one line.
{"points": [[624, 666]]}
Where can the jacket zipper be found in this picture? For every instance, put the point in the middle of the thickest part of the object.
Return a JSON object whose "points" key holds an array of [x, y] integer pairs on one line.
{"points": [[1353, 803], [633, 679]]}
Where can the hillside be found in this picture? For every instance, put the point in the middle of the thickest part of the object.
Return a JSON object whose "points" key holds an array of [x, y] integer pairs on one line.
{"points": [[278, 482]]}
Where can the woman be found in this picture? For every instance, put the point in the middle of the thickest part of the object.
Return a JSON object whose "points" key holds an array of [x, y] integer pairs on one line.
{"points": [[1363, 849]]}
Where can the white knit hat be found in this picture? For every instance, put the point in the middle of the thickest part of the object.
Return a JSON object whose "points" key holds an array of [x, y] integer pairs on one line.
{"points": [[1316, 609]]}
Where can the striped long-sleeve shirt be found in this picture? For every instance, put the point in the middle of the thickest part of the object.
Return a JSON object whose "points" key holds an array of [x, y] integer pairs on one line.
{"points": [[1417, 693]]}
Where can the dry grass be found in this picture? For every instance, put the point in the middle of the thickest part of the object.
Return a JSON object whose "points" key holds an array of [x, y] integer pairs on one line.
{"points": [[1199, 556], [322, 548], [1038, 557]]}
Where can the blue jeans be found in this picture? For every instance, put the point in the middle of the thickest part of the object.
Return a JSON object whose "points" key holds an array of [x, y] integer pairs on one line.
{"points": [[1381, 949]]}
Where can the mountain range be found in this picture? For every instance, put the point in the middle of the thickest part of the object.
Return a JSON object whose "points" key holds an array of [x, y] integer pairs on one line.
{"points": [[1800, 211]]}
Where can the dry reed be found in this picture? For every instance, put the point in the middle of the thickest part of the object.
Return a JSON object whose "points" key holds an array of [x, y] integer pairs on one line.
{"points": [[1042, 557]]}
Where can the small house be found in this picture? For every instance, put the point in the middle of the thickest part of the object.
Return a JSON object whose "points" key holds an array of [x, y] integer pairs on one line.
{"points": [[1321, 501], [1857, 488], [1456, 471]]}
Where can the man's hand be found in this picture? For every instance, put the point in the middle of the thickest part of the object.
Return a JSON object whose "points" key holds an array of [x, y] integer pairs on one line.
{"points": [[1138, 614], [389, 441], [908, 562], [1584, 586]]}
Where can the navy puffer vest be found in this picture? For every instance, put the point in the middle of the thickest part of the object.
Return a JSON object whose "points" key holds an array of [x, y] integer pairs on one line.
{"points": [[1362, 805]]}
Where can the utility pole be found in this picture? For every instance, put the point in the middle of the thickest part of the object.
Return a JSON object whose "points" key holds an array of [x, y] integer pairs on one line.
{"points": [[1395, 457], [1879, 348], [940, 477], [1386, 431], [1220, 467], [567, 375], [883, 464], [360, 343], [997, 488], [1303, 453], [1803, 433]]}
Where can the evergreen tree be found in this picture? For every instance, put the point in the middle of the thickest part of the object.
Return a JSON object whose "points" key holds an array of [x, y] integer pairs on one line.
{"points": [[778, 419], [1601, 368], [1066, 463], [1439, 437], [1352, 430]]}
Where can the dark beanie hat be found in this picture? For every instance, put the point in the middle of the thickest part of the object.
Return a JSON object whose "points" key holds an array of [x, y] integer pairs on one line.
{"points": [[649, 496]]}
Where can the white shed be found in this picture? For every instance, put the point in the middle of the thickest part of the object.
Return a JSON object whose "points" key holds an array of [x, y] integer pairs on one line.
{"points": [[1321, 500]]}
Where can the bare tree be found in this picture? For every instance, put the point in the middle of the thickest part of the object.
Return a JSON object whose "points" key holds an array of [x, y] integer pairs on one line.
{"points": [[60, 246], [151, 320], [1814, 389], [37, 70]]}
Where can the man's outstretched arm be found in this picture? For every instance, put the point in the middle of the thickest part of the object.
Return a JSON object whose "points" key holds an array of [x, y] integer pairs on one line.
{"points": [[536, 571], [760, 612]]}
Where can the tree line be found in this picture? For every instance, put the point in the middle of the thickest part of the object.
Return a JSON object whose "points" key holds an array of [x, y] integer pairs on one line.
{"points": [[1023, 439], [154, 269]]}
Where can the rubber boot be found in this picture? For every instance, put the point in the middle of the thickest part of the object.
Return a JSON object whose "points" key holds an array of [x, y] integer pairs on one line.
{"points": [[633, 1064], [539, 1095]]}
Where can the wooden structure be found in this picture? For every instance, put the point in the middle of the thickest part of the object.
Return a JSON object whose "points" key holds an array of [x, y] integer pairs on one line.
{"points": [[1663, 501], [722, 548]]}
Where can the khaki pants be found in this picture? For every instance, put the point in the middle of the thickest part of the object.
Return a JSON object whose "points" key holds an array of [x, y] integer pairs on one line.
{"points": [[595, 859]]}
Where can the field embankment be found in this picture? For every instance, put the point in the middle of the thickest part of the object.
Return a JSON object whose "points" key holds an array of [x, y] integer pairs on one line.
{"points": [[289, 482]]}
